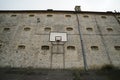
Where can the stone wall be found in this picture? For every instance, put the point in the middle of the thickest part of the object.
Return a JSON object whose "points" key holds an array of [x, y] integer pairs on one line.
{"points": [[24, 39]]}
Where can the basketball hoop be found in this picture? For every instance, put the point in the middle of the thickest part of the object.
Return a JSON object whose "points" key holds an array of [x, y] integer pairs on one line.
{"points": [[58, 38]]}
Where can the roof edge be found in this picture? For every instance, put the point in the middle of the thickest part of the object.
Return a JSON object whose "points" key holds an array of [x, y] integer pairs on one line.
{"points": [[110, 12]]}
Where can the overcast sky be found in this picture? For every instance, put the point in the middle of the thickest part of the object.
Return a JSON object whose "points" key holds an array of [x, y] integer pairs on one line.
{"points": [[86, 5]]}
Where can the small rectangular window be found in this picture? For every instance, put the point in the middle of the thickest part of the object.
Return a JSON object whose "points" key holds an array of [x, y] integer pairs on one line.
{"points": [[117, 48], [67, 15], [109, 29], [31, 15], [21, 47], [13, 15], [119, 17], [71, 47], [89, 29], [27, 29], [49, 15], [85, 16], [6, 29], [69, 28], [0, 46], [104, 17], [94, 48], [45, 47], [47, 29]]}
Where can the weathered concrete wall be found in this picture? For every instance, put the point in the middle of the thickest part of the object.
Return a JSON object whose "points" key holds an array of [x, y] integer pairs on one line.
{"points": [[100, 36], [31, 53]]}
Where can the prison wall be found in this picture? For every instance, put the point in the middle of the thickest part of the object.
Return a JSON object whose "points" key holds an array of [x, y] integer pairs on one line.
{"points": [[24, 39]]}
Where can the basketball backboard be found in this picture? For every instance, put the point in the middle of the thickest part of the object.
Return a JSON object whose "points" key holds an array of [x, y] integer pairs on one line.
{"points": [[56, 36]]}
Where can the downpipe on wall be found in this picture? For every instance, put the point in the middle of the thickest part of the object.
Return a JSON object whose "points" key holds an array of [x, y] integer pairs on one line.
{"points": [[82, 45]]}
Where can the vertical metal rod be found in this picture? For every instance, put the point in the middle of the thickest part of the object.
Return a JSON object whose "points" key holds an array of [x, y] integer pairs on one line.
{"points": [[63, 55], [51, 55], [82, 45]]}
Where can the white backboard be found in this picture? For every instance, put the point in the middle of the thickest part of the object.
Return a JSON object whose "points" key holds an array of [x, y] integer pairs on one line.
{"points": [[58, 36]]}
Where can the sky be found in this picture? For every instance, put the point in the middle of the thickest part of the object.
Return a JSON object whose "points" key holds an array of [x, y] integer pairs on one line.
{"points": [[86, 5]]}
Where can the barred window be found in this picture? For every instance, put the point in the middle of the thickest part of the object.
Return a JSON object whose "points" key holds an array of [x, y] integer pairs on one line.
{"points": [[47, 29], [71, 47], [49, 15], [94, 48], [109, 29], [103, 17], [45, 47], [117, 48], [21, 46], [89, 29], [6, 29], [13, 15], [67, 15], [27, 29], [69, 29], [31, 15], [86, 16]]}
